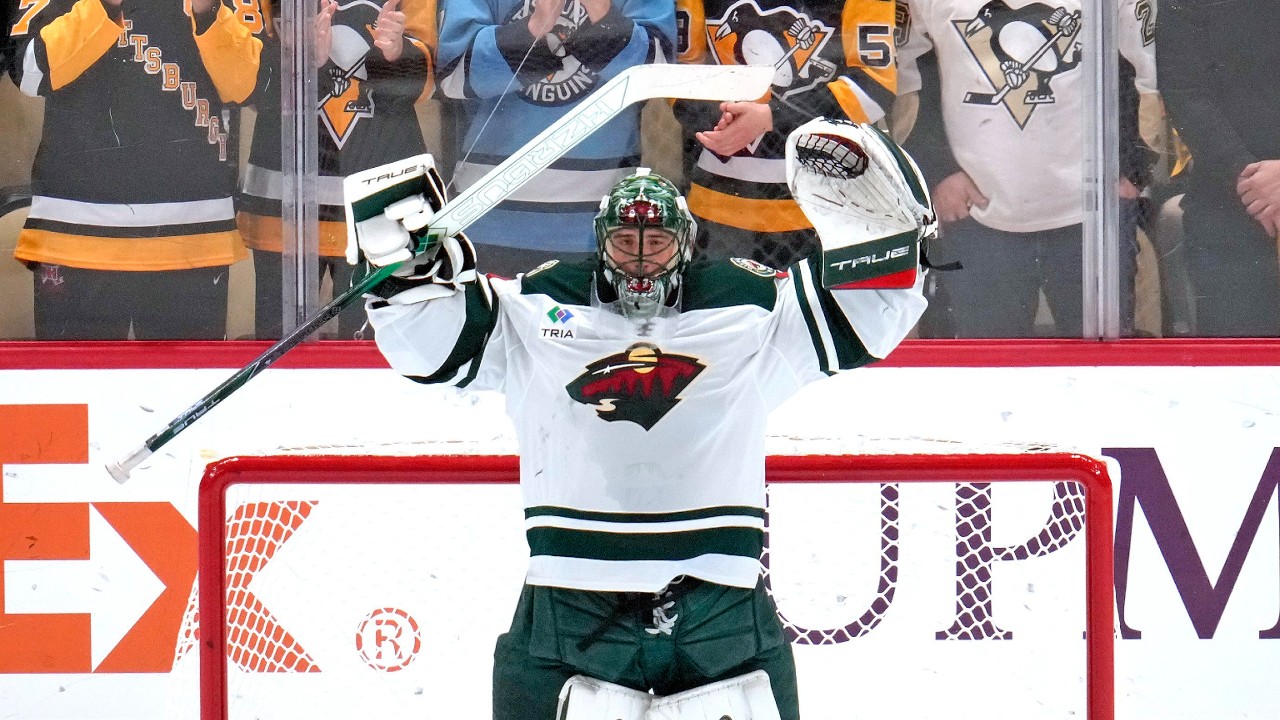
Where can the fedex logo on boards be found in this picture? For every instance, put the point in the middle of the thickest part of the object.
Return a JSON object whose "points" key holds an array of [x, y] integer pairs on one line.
{"points": [[104, 585], [83, 635]]}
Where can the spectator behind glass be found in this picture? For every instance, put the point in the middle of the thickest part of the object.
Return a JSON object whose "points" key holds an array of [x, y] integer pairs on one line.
{"points": [[374, 64], [1008, 185], [4, 36], [1218, 66], [132, 222], [833, 60], [523, 64]]}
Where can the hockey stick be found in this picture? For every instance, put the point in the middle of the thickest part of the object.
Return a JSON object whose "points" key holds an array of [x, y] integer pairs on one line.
{"points": [[642, 82]]}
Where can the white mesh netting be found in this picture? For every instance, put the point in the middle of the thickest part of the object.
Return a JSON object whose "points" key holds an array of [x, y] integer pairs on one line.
{"points": [[356, 596]]}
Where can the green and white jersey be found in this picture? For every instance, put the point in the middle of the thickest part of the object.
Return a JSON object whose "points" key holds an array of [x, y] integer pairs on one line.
{"points": [[642, 443]]}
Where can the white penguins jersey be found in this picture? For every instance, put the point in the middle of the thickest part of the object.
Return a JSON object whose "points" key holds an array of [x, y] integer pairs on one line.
{"points": [[1012, 97], [642, 443]]}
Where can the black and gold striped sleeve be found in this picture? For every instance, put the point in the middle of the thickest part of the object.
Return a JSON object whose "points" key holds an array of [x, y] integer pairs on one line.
{"points": [[866, 88], [230, 52], [53, 44]]}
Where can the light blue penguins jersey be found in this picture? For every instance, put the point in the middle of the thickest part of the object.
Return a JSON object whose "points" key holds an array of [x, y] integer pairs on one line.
{"points": [[642, 444], [518, 85]]}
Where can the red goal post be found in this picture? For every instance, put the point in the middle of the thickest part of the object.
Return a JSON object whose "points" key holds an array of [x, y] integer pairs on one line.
{"points": [[227, 550]]}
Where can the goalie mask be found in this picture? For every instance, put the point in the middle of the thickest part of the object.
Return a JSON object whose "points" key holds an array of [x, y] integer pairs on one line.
{"points": [[644, 236]]}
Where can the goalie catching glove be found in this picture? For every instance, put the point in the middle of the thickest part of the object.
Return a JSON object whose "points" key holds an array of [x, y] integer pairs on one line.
{"points": [[389, 210], [866, 200]]}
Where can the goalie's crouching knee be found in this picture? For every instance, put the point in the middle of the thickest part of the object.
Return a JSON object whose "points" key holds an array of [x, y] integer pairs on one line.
{"points": [[746, 697]]}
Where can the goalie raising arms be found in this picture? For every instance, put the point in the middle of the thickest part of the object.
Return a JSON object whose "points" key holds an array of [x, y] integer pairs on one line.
{"points": [[640, 384]]}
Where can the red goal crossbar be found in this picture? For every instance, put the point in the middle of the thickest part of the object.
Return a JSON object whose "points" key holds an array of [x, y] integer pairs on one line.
{"points": [[1089, 472]]}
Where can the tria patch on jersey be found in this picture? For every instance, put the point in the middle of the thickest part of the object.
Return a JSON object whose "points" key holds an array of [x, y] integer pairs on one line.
{"points": [[641, 384]]}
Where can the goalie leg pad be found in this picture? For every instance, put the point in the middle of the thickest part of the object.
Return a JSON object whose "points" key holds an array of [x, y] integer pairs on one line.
{"points": [[866, 200], [746, 697], [586, 698]]}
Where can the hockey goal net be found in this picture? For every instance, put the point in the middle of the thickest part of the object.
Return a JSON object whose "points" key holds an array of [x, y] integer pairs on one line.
{"points": [[911, 585]]}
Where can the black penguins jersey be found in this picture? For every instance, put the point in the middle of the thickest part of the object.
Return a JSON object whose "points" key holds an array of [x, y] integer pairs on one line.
{"points": [[642, 443], [366, 115], [831, 60], [133, 171]]}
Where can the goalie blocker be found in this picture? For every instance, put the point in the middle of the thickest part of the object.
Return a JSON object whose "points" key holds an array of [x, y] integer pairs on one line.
{"points": [[389, 209], [867, 201]]}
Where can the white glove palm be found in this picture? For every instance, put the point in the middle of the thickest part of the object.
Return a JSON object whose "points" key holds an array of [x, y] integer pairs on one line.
{"points": [[387, 239], [866, 200], [387, 208]]}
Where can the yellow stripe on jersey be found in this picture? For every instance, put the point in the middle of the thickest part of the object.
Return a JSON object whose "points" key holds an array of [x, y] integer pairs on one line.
{"points": [[747, 213], [420, 24], [263, 232], [429, 85], [867, 30], [102, 253], [77, 40], [850, 102], [231, 54], [691, 31]]}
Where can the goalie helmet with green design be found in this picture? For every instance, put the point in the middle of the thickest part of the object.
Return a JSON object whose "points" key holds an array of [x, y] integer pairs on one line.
{"points": [[644, 236]]}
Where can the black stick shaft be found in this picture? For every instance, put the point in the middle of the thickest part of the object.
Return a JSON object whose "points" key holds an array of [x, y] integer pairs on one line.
{"points": [[637, 83], [120, 469]]}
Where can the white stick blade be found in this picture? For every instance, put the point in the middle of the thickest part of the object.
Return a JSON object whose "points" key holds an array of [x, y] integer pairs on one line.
{"points": [[734, 83]]}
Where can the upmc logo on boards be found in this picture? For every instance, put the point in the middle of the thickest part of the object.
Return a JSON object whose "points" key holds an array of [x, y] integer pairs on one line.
{"points": [[86, 587], [1144, 495], [102, 587]]}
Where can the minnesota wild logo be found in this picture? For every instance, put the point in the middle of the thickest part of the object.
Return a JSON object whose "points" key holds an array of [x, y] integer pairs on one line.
{"points": [[641, 384]]}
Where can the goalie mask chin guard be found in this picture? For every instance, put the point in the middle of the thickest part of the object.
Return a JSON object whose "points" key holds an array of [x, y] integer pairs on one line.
{"points": [[644, 240]]}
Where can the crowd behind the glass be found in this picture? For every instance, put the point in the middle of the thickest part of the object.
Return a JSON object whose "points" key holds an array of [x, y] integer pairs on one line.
{"points": [[159, 161]]}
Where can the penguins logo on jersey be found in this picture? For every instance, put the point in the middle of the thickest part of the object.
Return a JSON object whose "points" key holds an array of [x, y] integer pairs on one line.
{"points": [[641, 384], [1021, 51], [782, 37], [344, 82], [573, 80]]}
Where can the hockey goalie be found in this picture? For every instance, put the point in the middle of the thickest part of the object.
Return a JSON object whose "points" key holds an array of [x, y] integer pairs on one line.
{"points": [[639, 383]]}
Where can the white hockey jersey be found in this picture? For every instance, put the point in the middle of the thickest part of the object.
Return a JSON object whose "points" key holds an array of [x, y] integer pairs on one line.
{"points": [[642, 444], [1021, 141]]}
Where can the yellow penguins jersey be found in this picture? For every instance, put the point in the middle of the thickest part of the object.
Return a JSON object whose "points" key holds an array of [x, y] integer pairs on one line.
{"points": [[133, 171], [366, 115], [831, 59]]}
